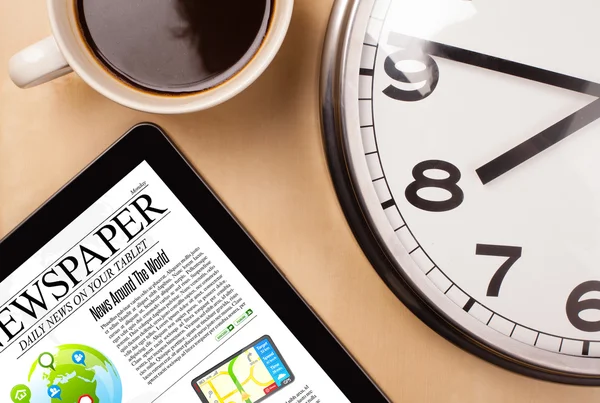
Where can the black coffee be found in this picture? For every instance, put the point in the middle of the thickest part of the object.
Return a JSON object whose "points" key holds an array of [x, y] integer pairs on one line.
{"points": [[174, 46]]}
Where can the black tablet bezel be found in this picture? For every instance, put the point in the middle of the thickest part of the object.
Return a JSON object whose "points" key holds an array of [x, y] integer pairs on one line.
{"points": [[147, 142]]}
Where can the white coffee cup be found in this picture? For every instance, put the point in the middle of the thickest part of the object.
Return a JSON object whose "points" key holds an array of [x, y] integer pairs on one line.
{"points": [[66, 51]]}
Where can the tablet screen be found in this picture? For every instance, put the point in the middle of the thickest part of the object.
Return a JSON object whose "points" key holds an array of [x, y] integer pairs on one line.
{"points": [[134, 302]]}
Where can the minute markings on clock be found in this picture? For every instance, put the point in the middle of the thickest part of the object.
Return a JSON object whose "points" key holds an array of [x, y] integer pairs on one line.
{"points": [[470, 304], [539, 142]]}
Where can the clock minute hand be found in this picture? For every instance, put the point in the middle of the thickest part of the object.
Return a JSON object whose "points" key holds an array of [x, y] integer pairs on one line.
{"points": [[495, 64], [538, 143]]}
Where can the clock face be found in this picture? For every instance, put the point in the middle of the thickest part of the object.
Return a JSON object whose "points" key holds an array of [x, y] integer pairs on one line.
{"points": [[473, 145]]}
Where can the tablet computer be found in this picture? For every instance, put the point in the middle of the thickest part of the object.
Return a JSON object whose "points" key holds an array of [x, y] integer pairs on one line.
{"points": [[135, 284]]}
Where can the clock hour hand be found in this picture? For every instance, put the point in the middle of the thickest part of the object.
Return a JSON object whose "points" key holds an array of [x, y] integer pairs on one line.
{"points": [[538, 143]]}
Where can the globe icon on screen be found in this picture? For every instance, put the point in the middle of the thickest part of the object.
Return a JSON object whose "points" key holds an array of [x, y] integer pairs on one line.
{"points": [[73, 373]]}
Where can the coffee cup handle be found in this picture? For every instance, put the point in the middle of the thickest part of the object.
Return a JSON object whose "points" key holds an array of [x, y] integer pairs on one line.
{"points": [[38, 64]]}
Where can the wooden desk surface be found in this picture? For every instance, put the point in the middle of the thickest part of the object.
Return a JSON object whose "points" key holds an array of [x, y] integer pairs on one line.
{"points": [[262, 153]]}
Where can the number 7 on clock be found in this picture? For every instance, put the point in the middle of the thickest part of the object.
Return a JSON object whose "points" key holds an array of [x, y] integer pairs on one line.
{"points": [[513, 253]]}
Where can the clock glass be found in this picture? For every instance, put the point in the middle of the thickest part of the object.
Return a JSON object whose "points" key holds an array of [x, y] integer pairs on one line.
{"points": [[463, 140]]}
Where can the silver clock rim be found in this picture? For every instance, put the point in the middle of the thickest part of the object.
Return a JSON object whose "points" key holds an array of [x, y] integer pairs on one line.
{"points": [[345, 154]]}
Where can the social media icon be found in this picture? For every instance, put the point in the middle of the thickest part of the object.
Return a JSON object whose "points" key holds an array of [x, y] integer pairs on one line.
{"points": [[54, 392], [79, 357], [20, 394], [85, 399]]}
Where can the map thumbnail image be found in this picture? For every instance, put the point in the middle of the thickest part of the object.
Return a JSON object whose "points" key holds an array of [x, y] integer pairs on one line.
{"points": [[249, 376]]}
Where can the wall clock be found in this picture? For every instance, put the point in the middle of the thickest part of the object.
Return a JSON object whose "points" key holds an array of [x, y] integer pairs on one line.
{"points": [[464, 144]]}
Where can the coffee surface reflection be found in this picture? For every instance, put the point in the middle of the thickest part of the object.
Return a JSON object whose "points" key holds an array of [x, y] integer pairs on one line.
{"points": [[174, 46]]}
